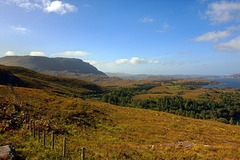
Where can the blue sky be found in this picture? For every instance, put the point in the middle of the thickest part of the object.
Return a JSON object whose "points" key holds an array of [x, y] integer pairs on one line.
{"points": [[130, 36]]}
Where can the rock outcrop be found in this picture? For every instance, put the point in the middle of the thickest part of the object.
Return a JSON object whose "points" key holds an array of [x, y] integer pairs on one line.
{"points": [[8, 152]]}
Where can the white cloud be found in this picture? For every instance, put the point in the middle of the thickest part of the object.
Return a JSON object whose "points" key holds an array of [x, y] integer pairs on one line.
{"points": [[231, 46], [9, 53], [56, 6], [213, 36], [34, 53], [20, 29], [135, 61], [72, 54], [220, 12], [94, 63], [122, 61], [147, 20], [234, 28], [59, 7], [26, 4]]}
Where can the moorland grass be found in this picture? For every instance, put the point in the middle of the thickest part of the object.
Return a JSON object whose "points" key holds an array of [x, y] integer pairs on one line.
{"points": [[110, 131]]}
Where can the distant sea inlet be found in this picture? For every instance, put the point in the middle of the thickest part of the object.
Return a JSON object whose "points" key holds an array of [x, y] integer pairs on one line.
{"points": [[228, 83]]}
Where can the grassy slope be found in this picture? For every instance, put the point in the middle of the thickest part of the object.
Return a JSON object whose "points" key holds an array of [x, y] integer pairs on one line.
{"points": [[113, 132], [57, 84]]}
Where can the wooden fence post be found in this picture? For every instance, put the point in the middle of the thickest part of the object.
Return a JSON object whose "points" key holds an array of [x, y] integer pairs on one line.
{"points": [[38, 135], [33, 129], [83, 154], [64, 146], [26, 121], [30, 126], [44, 137], [53, 140]]}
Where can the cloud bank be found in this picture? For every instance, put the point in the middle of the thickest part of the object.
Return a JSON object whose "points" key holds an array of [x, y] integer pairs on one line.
{"points": [[9, 53], [135, 61], [94, 63], [231, 46], [72, 54], [34, 53], [213, 36], [222, 12], [47, 6]]}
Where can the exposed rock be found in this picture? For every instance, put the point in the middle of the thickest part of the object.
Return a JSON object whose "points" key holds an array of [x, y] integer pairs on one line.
{"points": [[185, 144], [8, 152]]}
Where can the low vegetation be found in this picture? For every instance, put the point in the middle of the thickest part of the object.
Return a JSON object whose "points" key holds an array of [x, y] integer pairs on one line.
{"points": [[110, 131]]}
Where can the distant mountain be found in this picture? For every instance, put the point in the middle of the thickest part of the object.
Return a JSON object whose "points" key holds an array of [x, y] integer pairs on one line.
{"points": [[128, 76], [161, 77], [182, 77], [51, 65]]}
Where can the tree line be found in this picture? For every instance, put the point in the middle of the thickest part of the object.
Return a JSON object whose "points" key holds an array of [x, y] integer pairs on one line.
{"points": [[225, 110]]}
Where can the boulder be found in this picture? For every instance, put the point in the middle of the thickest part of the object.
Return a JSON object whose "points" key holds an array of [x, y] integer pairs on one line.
{"points": [[8, 152]]}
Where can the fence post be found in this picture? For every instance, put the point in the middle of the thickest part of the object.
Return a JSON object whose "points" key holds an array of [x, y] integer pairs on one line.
{"points": [[53, 140], [30, 126], [64, 146], [38, 135], [33, 129], [44, 137], [83, 154], [26, 119]]}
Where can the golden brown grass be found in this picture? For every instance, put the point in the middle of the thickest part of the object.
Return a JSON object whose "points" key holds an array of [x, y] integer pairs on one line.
{"points": [[118, 132]]}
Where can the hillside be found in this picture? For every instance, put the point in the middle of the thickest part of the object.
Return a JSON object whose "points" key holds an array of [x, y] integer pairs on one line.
{"points": [[109, 131], [7, 77], [106, 131], [51, 65], [19, 76]]}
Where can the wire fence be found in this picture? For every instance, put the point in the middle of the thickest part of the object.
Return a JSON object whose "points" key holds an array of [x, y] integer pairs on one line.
{"points": [[35, 131]]}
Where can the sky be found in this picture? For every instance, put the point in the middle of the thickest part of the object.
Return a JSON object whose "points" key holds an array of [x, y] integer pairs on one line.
{"points": [[162, 37]]}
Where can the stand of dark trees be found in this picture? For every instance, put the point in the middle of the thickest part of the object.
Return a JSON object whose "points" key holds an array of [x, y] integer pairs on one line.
{"points": [[226, 110]]}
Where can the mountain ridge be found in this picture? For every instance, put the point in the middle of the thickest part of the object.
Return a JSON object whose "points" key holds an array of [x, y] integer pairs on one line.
{"points": [[45, 64], [22, 77]]}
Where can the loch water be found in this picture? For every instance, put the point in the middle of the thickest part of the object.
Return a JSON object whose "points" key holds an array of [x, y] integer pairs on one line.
{"points": [[229, 83]]}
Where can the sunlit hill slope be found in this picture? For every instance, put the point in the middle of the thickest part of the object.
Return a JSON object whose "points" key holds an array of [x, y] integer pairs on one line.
{"points": [[19, 76], [106, 131]]}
